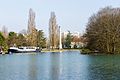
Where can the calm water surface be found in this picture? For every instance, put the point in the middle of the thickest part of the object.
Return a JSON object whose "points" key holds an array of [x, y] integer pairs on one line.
{"points": [[69, 65]]}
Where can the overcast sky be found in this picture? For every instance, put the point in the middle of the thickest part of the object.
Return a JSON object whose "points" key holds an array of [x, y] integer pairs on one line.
{"points": [[71, 14]]}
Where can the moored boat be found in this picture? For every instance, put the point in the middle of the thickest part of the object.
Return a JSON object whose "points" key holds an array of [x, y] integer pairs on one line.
{"points": [[23, 50]]}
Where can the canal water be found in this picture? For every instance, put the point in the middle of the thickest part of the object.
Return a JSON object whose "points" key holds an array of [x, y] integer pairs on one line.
{"points": [[68, 65]]}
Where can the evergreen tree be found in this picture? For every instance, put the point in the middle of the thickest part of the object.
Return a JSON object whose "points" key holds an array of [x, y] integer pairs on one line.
{"points": [[68, 40], [41, 40], [12, 39], [21, 40]]}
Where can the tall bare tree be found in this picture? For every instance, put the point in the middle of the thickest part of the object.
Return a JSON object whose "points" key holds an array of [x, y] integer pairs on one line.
{"points": [[5, 31], [41, 40], [31, 21], [32, 31], [53, 32]]}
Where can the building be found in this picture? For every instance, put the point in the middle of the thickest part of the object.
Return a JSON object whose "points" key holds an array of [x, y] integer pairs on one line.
{"points": [[76, 40]]}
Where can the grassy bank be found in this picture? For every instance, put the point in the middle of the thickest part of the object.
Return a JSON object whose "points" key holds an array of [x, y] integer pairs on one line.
{"points": [[57, 50]]}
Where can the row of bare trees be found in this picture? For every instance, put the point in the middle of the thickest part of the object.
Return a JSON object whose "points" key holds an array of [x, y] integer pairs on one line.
{"points": [[103, 31]]}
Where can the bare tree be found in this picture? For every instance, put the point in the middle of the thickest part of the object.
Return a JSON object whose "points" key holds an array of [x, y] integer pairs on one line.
{"points": [[31, 21], [5, 31], [53, 32], [32, 31], [103, 30]]}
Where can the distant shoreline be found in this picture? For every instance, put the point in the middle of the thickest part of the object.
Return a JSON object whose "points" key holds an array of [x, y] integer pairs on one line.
{"points": [[62, 50]]}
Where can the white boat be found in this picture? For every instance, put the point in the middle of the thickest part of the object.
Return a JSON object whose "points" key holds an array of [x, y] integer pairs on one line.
{"points": [[23, 49]]}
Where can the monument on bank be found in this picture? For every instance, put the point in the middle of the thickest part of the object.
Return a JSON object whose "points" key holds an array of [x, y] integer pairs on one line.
{"points": [[60, 42]]}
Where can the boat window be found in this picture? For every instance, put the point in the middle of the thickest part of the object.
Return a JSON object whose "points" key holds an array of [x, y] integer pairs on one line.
{"points": [[20, 48]]}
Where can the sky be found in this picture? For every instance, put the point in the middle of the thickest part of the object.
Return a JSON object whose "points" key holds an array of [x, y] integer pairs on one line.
{"points": [[71, 15]]}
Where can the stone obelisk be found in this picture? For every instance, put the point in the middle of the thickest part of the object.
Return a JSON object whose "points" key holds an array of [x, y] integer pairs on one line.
{"points": [[60, 42]]}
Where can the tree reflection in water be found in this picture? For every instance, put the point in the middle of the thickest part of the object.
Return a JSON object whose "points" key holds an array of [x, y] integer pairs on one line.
{"points": [[33, 67], [55, 66]]}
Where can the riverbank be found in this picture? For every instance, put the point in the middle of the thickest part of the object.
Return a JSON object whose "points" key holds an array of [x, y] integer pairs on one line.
{"points": [[52, 50], [57, 50], [89, 52]]}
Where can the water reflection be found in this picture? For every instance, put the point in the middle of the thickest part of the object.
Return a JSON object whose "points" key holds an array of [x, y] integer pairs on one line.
{"points": [[55, 67], [33, 68], [103, 68], [60, 66]]}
